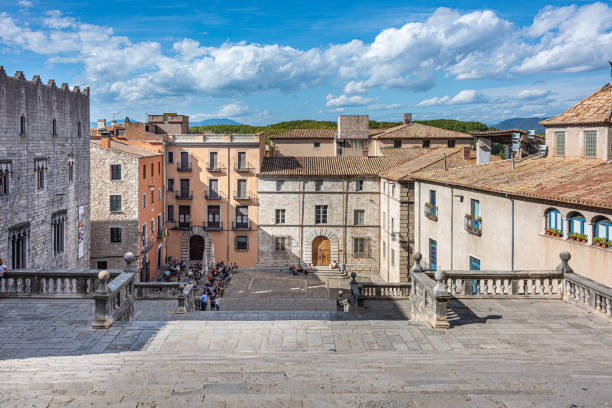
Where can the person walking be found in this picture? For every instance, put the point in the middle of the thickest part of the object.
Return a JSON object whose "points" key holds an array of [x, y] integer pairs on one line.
{"points": [[203, 299], [218, 303], [3, 268]]}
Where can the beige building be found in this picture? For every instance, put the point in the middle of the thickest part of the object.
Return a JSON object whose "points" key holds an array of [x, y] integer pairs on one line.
{"points": [[353, 137], [211, 196], [585, 130]]}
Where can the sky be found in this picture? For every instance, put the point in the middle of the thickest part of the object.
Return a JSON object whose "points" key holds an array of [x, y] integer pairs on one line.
{"points": [[263, 62]]}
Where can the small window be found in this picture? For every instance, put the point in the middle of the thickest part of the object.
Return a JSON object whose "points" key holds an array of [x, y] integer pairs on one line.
{"points": [[70, 168], [170, 184], [54, 128], [120, 132], [152, 197], [144, 200], [170, 157], [432, 197], [159, 194], [433, 254], [115, 203], [560, 143], [555, 221], [359, 185], [4, 180], [590, 144], [320, 214], [79, 129], [279, 216], [603, 230], [22, 130], [115, 171], [279, 244], [318, 185], [59, 223], [475, 208], [40, 166], [577, 224], [450, 143], [102, 265], [242, 243], [170, 214], [317, 145], [359, 246], [359, 217], [397, 144], [426, 144], [474, 264], [279, 185], [144, 171], [115, 235], [158, 168]]}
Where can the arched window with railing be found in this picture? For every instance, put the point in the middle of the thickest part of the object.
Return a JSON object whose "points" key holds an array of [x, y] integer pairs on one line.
{"points": [[603, 230], [554, 221], [577, 223]]}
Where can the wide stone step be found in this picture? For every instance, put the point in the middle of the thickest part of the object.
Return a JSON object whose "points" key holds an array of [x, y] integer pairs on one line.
{"points": [[268, 315]]}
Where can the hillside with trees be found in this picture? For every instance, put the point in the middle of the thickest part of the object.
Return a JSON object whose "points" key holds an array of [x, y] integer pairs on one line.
{"points": [[275, 128]]}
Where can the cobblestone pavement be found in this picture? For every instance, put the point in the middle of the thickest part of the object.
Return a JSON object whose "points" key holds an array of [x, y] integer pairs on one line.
{"points": [[510, 353]]}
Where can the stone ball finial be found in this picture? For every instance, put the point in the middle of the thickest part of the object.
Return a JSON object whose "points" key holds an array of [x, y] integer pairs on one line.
{"points": [[418, 257], [182, 286], [353, 276], [565, 256], [104, 275], [128, 257], [340, 293], [439, 275]]}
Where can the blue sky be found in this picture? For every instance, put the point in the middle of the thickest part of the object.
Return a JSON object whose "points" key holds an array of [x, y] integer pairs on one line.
{"points": [[263, 62]]}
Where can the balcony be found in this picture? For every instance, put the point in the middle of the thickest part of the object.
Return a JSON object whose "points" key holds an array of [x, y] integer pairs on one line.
{"points": [[147, 244], [160, 234], [183, 167], [431, 211], [473, 225], [242, 195], [213, 226], [214, 167], [241, 226], [184, 195], [243, 167], [213, 195], [184, 225]]}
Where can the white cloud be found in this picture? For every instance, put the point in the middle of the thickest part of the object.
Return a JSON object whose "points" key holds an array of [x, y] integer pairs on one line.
{"points": [[534, 94], [25, 3], [345, 100], [464, 97], [478, 44], [231, 110]]}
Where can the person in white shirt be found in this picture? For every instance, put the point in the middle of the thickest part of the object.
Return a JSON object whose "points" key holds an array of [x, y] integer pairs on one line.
{"points": [[3, 268]]}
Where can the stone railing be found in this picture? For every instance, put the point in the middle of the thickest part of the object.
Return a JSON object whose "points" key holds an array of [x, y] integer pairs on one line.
{"points": [[114, 301], [588, 294], [428, 298], [52, 284], [183, 293], [503, 284], [370, 290]]}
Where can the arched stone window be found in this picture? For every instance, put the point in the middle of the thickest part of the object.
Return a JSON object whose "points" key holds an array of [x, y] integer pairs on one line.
{"points": [[603, 228], [576, 223]]}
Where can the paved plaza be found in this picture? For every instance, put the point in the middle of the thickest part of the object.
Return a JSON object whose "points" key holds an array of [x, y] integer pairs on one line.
{"points": [[509, 353]]}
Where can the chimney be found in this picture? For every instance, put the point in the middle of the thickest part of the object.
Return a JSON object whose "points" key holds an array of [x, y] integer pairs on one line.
{"points": [[101, 123], [105, 140], [466, 152], [407, 118], [113, 122]]}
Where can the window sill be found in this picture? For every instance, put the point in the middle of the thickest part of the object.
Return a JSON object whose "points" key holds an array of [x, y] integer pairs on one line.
{"points": [[241, 250], [117, 212]]}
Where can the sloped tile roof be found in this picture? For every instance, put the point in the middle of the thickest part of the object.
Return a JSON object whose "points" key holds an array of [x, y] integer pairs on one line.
{"points": [[431, 160], [305, 134], [497, 132], [571, 181], [418, 131], [127, 148], [595, 109]]}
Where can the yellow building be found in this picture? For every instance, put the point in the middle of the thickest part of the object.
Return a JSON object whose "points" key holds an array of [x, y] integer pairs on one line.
{"points": [[211, 196]]}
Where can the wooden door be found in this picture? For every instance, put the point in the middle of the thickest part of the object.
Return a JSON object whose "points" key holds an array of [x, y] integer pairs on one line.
{"points": [[196, 248], [321, 251]]}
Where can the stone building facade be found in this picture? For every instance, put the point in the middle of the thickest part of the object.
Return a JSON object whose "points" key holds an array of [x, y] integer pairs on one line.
{"points": [[44, 174], [211, 196], [127, 206]]}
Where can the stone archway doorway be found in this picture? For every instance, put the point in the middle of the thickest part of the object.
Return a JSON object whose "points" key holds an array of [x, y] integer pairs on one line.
{"points": [[321, 251], [196, 248]]}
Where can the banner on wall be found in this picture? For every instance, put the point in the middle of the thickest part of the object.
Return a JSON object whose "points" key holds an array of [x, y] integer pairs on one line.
{"points": [[81, 229]]}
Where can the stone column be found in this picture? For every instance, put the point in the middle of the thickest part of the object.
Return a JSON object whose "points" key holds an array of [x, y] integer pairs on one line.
{"points": [[566, 227], [544, 224], [588, 230]]}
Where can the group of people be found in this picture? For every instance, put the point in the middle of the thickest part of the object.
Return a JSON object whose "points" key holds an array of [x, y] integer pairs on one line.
{"points": [[214, 285], [306, 269], [173, 271]]}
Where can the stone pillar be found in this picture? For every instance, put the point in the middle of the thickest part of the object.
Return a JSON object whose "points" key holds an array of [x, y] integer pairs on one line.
{"points": [[483, 150], [544, 224], [588, 230], [566, 227]]}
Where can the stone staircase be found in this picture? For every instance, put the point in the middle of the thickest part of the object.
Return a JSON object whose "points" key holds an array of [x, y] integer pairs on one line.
{"points": [[268, 315]]}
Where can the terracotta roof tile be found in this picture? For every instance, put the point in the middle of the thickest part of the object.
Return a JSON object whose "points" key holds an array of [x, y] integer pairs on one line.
{"points": [[497, 132], [572, 181], [305, 134], [595, 109], [127, 148], [431, 160], [418, 131]]}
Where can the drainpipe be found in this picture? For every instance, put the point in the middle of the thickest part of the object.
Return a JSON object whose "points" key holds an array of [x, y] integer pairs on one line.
{"points": [[164, 209], [389, 232], [229, 192], [512, 245], [344, 209], [300, 220], [452, 225]]}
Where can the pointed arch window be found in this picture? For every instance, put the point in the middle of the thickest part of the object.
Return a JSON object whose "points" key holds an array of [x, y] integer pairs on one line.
{"points": [[54, 126], [22, 125]]}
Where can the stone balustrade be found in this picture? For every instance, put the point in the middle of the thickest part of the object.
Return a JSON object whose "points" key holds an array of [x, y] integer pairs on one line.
{"points": [[114, 300], [428, 298], [384, 290], [588, 294], [183, 293], [504, 284], [52, 284]]}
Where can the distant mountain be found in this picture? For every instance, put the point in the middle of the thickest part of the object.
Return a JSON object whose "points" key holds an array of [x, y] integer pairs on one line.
{"points": [[521, 123], [94, 125], [219, 121]]}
